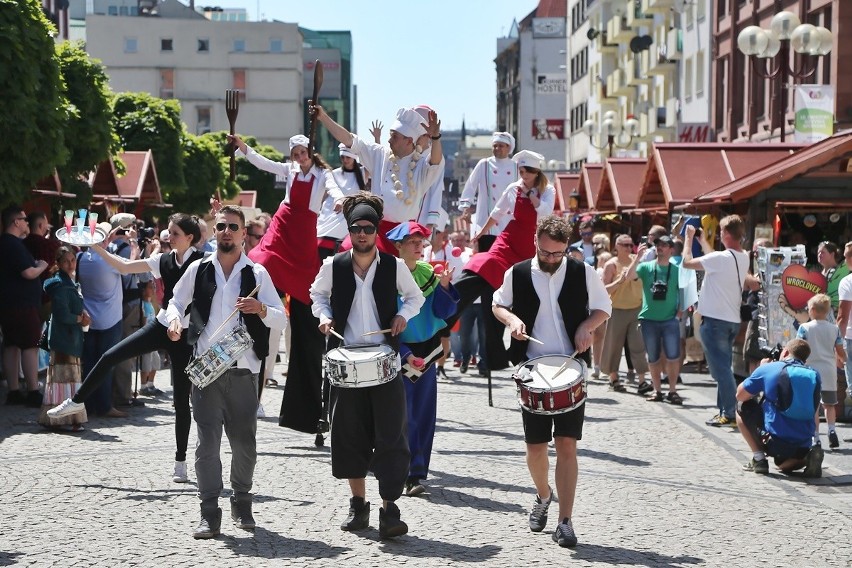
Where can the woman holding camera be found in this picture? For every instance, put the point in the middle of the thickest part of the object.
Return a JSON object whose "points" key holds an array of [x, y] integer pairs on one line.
{"points": [[184, 236]]}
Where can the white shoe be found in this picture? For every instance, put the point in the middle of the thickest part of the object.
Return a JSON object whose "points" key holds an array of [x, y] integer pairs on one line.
{"points": [[261, 413], [66, 408], [179, 476]]}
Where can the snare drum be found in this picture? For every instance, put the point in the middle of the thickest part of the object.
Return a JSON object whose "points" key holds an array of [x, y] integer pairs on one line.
{"points": [[552, 384], [219, 357], [361, 365]]}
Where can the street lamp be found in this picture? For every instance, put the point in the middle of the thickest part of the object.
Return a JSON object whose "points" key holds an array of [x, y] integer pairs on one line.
{"points": [[786, 31], [617, 135]]}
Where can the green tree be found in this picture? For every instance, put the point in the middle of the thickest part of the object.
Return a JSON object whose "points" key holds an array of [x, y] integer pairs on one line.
{"points": [[144, 122], [34, 106], [89, 134], [249, 178], [204, 175]]}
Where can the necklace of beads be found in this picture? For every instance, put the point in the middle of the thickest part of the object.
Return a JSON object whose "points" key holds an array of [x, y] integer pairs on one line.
{"points": [[398, 190]]}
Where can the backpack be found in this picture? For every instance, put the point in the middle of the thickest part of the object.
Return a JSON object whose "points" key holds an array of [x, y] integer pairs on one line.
{"points": [[798, 392]]}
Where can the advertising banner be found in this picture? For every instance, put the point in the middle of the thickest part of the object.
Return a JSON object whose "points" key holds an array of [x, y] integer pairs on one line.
{"points": [[814, 113]]}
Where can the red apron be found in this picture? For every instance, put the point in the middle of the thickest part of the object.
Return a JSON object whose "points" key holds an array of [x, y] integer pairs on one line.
{"points": [[514, 244], [288, 250], [382, 242]]}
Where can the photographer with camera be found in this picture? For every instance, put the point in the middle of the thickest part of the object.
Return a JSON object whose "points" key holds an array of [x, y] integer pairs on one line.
{"points": [[778, 404], [659, 318]]}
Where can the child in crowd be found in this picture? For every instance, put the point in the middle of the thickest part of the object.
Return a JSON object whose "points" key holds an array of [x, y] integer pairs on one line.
{"points": [[150, 361], [827, 354]]}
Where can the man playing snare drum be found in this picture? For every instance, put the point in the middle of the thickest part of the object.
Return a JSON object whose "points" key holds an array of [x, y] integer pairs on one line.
{"points": [[214, 286], [356, 293], [563, 302]]}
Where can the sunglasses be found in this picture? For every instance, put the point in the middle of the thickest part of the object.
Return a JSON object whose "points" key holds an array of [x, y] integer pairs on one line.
{"points": [[252, 235], [366, 229], [233, 226]]}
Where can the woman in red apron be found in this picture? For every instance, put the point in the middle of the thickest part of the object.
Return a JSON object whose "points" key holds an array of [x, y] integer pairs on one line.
{"points": [[290, 254], [526, 201]]}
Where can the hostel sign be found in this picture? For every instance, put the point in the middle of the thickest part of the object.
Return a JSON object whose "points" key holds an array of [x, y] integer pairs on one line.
{"points": [[551, 84]]}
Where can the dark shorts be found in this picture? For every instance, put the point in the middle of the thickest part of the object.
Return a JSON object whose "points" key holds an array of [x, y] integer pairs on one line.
{"points": [[21, 326], [444, 332], [751, 413], [540, 429]]}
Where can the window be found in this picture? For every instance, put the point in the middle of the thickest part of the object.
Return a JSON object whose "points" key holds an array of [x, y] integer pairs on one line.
{"points": [[579, 115], [123, 11], [276, 45], [202, 125], [239, 45], [699, 74], [701, 8], [689, 15], [239, 82], [130, 45], [112, 10], [167, 83], [166, 44], [687, 80], [203, 45], [580, 65]]}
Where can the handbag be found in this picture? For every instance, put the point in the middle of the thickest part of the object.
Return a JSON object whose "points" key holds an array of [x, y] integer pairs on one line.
{"points": [[746, 311]]}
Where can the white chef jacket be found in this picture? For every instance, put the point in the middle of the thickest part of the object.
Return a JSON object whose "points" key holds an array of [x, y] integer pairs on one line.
{"points": [[505, 207], [486, 183], [329, 223]]}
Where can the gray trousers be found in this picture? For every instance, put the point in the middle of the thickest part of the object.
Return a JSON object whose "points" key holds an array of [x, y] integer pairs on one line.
{"points": [[230, 401], [122, 383]]}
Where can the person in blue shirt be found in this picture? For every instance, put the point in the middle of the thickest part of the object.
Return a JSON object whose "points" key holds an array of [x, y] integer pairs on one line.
{"points": [[776, 416]]}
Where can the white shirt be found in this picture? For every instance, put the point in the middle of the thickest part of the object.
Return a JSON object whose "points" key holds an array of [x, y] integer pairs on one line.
{"points": [[224, 299], [446, 255], [364, 315], [844, 292], [430, 208], [549, 326], [329, 223], [377, 159], [486, 183], [323, 180], [505, 207], [154, 266], [722, 292]]}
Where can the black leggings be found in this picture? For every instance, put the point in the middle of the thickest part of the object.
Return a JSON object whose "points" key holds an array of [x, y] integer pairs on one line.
{"points": [[470, 287], [152, 337]]}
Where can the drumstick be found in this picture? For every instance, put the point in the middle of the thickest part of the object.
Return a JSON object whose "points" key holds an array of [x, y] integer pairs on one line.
{"points": [[531, 338], [561, 369], [375, 332], [335, 334], [218, 329]]}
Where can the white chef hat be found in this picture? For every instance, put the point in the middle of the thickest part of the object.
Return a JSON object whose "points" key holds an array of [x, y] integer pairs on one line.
{"points": [[505, 138], [344, 151], [299, 140], [529, 159], [409, 123]]}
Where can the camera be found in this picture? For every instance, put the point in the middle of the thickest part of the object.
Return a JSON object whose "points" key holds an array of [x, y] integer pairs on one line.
{"points": [[643, 240], [144, 235], [659, 289], [773, 353]]}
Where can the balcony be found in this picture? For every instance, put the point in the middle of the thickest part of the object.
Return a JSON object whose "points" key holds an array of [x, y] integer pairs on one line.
{"points": [[635, 72], [618, 31], [604, 46], [616, 84], [671, 112], [637, 17], [603, 94], [657, 6], [674, 45]]}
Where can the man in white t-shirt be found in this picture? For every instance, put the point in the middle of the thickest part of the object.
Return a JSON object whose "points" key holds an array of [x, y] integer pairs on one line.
{"points": [[844, 322], [719, 303]]}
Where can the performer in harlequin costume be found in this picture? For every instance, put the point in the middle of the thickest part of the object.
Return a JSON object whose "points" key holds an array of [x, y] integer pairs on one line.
{"points": [[420, 347]]}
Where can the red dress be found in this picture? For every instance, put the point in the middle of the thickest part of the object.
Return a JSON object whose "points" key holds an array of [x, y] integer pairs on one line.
{"points": [[288, 250], [514, 244]]}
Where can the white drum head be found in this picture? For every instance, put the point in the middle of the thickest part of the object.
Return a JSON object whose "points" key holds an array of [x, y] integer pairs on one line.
{"points": [[359, 353], [550, 372]]}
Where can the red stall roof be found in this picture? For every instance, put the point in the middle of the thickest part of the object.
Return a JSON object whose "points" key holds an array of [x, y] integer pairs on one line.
{"points": [[619, 189], [590, 183], [565, 184]]}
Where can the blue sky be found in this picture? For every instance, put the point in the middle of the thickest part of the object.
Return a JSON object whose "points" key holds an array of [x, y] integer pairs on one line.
{"points": [[435, 52]]}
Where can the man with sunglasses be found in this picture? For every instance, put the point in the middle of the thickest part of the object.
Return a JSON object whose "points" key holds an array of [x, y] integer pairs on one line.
{"points": [[561, 301], [212, 287], [20, 289], [355, 293]]}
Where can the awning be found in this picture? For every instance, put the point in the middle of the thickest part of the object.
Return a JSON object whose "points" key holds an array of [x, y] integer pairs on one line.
{"points": [[566, 184], [621, 183], [590, 182]]}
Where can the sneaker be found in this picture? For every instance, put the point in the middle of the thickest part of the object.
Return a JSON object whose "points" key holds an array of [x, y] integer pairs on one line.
{"points": [[34, 399], [179, 476], [16, 397], [154, 391], [757, 466], [211, 522], [441, 373], [813, 462], [833, 442], [65, 408], [538, 515], [564, 534], [390, 523], [359, 515], [596, 372], [463, 366], [616, 386], [644, 387], [656, 397], [413, 487], [241, 512], [631, 375], [721, 420], [457, 363]]}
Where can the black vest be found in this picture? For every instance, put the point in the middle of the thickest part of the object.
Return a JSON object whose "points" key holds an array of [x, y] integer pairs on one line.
{"points": [[573, 302], [202, 300], [170, 272], [343, 294]]}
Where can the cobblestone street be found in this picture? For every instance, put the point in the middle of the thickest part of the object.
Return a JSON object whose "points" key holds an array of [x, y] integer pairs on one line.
{"points": [[657, 488]]}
